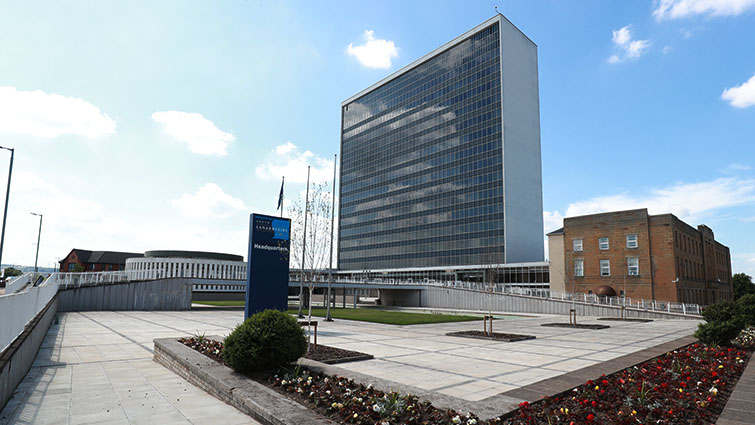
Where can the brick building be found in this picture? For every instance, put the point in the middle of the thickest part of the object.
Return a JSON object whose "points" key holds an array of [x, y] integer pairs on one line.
{"points": [[96, 261], [645, 256]]}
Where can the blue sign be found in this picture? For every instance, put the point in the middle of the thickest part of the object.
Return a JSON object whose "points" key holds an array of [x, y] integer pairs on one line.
{"points": [[267, 264]]}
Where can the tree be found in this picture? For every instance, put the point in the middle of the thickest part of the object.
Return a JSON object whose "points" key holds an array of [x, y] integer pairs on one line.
{"points": [[742, 284], [78, 268], [12, 271], [490, 275], [317, 252]]}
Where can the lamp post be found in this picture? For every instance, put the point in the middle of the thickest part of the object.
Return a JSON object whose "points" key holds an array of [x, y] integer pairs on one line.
{"points": [[332, 218], [7, 194], [38, 236]]}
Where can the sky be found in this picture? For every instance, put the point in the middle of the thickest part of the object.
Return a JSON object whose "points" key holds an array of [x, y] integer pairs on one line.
{"points": [[161, 125]]}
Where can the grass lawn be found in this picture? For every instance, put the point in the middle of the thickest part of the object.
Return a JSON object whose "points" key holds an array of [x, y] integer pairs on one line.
{"points": [[237, 303], [387, 317]]}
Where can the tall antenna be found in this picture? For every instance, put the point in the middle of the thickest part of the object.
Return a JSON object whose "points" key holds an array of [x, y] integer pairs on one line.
{"points": [[496, 10]]}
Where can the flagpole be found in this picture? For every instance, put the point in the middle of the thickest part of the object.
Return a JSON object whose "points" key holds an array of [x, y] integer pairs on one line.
{"points": [[332, 218], [304, 246], [282, 181]]}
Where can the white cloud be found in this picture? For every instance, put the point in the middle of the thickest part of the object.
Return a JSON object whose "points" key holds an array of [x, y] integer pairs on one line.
{"points": [[201, 134], [552, 221], [688, 201], [49, 115], [209, 201], [747, 219], [742, 95], [743, 263], [735, 168], [667, 49], [627, 46], [374, 53], [289, 161], [674, 9]]}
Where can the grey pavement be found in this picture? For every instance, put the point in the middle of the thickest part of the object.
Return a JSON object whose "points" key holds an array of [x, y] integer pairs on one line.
{"points": [[96, 367]]}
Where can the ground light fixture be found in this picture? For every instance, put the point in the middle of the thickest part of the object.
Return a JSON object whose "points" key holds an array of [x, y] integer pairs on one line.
{"points": [[7, 195]]}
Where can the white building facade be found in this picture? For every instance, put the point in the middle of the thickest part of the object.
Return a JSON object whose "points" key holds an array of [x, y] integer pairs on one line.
{"points": [[189, 264]]}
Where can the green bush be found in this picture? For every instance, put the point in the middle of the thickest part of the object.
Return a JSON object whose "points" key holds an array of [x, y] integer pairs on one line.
{"points": [[725, 319], [718, 333], [746, 309], [265, 341], [721, 311]]}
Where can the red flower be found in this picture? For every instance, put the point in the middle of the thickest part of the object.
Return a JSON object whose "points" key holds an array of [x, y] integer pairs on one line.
{"points": [[590, 417]]}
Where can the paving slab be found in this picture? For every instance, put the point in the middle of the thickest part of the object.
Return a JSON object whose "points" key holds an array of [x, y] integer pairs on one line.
{"points": [[96, 367]]}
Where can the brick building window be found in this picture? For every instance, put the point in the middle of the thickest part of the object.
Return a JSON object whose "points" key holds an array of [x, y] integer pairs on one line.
{"points": [[605, 267], [631, 241], [577, 245], [603, 243], [579, 267], [633, 266]]}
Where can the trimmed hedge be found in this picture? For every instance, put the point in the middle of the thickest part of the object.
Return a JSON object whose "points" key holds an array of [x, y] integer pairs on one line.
{"points": [[266, 341]]}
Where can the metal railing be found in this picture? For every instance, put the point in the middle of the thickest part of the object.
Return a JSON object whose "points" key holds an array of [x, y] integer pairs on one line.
{"points": [[19, 308], [68, 280], [15, 284], [640, 304]]}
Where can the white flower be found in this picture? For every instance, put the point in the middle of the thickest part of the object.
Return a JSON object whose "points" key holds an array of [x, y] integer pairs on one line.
{"points": [[283, 382], [327, 392], [472, 422], [377, 408], [713, 390], [456, 419]]}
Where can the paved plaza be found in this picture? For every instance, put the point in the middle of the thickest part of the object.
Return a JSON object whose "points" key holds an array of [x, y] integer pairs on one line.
{"points": [[96, 367]]}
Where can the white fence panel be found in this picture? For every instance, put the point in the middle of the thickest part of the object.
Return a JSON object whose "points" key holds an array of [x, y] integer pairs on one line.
{"points": [[16, 310], [17, 283]]}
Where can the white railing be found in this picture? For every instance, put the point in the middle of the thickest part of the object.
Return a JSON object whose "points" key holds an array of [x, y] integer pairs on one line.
{"points": [[75, 280], [16, 283], [18, 309], [640, 304], [68, 280]]}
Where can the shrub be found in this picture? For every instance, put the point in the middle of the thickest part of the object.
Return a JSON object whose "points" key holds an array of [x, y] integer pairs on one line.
{"points": [[746, 309], [721, 311], [265, 341], [719, 332], [725, 319]]}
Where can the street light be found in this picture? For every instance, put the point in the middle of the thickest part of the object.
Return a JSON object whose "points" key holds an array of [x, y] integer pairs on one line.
{"points": [[38, 235], [7, 194]]}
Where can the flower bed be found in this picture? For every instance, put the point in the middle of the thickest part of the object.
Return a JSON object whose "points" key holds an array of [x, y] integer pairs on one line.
{"points": [[746, 338], [686, 386]]}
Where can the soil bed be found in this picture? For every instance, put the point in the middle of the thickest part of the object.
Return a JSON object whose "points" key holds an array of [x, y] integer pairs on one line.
{"points": [[321, 353], [495, 337], [577, 326], [333, 355], [618, 319]]}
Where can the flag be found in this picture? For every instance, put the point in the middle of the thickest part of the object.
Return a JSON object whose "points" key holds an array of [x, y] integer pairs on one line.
{"points": [[280, 197]]}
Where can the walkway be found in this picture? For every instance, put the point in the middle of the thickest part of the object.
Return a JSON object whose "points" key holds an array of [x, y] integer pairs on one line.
{"points": [[96, 367]]}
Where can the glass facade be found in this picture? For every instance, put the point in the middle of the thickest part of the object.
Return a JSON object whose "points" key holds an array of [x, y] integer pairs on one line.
{"points": [[422, 164]]}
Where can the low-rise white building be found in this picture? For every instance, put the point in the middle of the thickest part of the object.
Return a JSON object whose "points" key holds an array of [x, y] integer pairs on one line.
{"points": [[192, 264]]}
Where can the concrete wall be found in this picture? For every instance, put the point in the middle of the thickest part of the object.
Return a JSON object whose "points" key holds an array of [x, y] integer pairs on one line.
{"points": [[218, 296], [478, 300], [164, 294], [557, 266], [18, 357], [522, 176]]}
